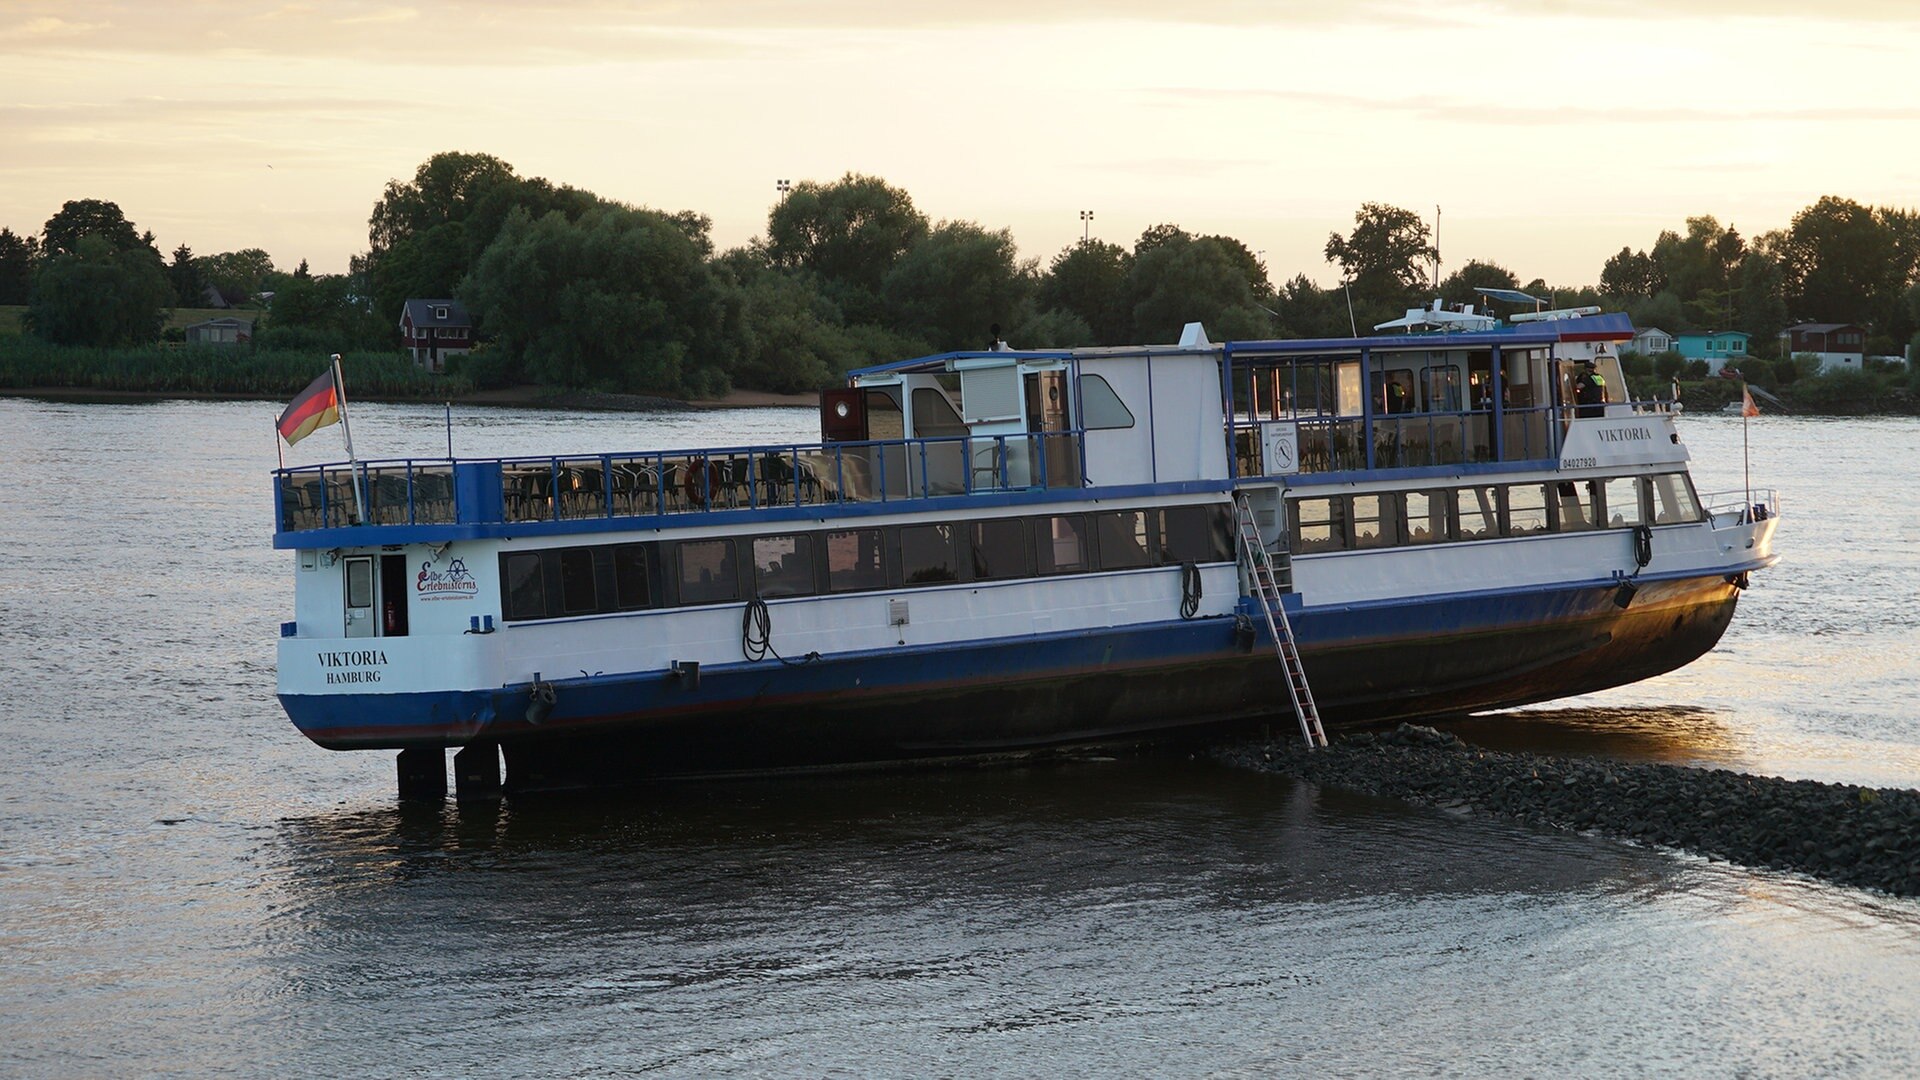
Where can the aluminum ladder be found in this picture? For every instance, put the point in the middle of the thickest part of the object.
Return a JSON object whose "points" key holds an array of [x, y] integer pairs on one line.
{"points": [[1260, 579]]}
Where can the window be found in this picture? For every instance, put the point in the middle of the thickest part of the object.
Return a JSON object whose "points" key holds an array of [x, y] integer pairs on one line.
{"points": [[1060, 543], [1319, 525], [928, 554], [1673, 500], [1526, 509], [1623, 502], [359, 583], [1426, 517], [783, 566], [1000, 549], [1195, 534], [631, 585], [1372, 518], [707, 572], [1574, 505], [1100, 407], [933, 415], [1443, 389], [1393, 391], [1122, 538], [883, 416], [578, 594], [853, 560], [526, 589], [1477, 511]]}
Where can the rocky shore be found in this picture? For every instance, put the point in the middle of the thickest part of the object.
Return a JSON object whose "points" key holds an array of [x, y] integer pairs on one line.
{"points": [[1838, 832]]}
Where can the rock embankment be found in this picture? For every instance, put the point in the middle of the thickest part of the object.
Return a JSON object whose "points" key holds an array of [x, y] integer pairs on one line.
{"points": [[1841, 833]]}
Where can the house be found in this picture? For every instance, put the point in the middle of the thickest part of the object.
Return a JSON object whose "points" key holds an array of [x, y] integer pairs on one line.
{"points": [[1717, 347], [1840, 346], [433, 330], [1651, 342], [225, 331]]}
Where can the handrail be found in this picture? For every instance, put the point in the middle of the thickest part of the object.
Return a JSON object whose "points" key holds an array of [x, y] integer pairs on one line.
{"points": [[1743, 506], [562, 487]]}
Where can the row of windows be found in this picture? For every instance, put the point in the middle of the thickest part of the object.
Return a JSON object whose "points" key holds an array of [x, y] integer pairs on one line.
{"points": [[1485, 511], [561, 582]]}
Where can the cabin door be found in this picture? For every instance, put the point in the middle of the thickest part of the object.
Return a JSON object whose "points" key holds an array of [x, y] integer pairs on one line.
{"points": [[362, 590]]}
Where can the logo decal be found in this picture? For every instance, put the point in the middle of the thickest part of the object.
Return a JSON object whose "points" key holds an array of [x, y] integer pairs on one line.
{"points": [[453, 583]]}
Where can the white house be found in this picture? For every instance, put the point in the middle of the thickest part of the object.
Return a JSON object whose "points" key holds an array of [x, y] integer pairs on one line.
{"points": [[1651, 341]]}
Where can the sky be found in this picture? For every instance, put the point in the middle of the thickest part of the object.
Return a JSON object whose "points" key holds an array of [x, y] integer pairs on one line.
{"points": [[1549, 133]]}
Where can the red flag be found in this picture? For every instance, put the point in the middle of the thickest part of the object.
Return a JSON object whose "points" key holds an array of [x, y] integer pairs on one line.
{"points": [[1747, 407], [316, 407]]}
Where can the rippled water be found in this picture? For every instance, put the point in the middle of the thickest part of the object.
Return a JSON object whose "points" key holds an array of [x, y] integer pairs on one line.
{"points": [[187, 887]]}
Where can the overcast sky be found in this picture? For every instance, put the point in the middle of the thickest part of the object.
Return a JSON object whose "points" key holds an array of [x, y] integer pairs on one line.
{"points": [[1550, 132]]}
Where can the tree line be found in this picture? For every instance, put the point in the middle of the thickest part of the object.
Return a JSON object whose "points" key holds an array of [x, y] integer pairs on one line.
{"points": [[572, 289]]}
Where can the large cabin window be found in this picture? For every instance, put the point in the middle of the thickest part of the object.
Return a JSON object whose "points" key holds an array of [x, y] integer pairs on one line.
{"points": [[578, 590], [1623, 508], [1426, 517], [933, 415], [783, 566], [883, 416], [1122, 537], [631, 583], [1442, 384], [707, 574], [1100, 407], [853, 560], [1320, 524], [1000, 549], [1673, 500], [1574, 505], [1393, 392], [1060, 543], [526, 588], [928, 554], [1476, 512], [1372, 518], [1527, 509]]}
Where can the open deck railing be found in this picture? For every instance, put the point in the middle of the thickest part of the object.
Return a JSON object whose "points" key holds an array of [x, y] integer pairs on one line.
{"points": [[1741, 506], [586, 486]]}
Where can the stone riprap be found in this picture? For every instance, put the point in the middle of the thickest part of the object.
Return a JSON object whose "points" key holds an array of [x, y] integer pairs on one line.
{"points": [[1838, 832]]}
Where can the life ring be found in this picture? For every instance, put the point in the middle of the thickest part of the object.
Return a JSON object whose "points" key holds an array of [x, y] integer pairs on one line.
{"points": [[698, 493]]}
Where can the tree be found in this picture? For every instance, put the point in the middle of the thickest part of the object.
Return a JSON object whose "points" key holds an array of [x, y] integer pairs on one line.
{"points": [[850, 233], [1089, 281], [955, 283], [1762, 305], [100, 296], [1460, 285], [17, 256], [1178, 280], [1385, 258], [237, 274], [189, 287], [446, 187], [1308, 311], [620, 299], [1631, 274], [1838, 263], [88, 217]]}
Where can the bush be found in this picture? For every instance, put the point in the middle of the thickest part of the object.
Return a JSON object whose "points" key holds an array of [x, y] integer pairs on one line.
{"points": [[28, 363], [1633, 363], [1840, 392], [1697, 369], [1668, 364], [1785, 371]]}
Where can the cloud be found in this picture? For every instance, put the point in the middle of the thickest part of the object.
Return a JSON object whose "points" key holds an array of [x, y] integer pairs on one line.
{"points": [[1458, 111]]}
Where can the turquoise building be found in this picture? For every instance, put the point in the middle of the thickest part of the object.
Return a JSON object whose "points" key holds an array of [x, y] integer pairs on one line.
{"points": [[1717, 347]]}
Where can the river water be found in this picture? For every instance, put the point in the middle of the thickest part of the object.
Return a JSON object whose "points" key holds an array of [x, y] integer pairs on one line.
{"points": [[187, 887]]}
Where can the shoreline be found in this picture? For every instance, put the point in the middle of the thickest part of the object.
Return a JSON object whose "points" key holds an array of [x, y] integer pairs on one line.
{"points": [[515, 397]]}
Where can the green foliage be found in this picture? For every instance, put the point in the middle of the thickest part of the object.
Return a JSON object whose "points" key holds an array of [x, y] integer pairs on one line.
{"points": [[620, 300], [100, 296], [1668, 364], [849, 233], [1385, 257], [1631, 275], [326, 310], [189, 286], [1088, 281], [17, 256], [1308, 311], [1459, 286], [1841, 392], [1785, 371], [1178, 279], [1633, 363], [237, 274], [79, 218], [1052, 329], [1662, 310], [955, 283], [1696, 369], [1838, 261]]}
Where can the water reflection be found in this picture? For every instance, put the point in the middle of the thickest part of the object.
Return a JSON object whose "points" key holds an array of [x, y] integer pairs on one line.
{"points": [[1671, 734]]}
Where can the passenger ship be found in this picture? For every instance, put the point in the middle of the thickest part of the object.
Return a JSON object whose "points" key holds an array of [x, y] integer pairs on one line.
{"points": [[1003, 551]]}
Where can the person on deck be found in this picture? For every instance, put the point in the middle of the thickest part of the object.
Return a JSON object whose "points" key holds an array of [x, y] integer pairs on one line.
{"points": [[1589, 391]]}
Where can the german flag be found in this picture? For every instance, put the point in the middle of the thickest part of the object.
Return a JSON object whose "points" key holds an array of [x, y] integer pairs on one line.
{"points": [[316, 407]]}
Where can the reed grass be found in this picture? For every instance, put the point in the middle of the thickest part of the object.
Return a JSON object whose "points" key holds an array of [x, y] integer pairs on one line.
{"points": [[27, 363]]}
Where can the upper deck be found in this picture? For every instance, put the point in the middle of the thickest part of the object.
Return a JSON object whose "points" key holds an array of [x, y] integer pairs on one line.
{"points": [[1003, 428]]}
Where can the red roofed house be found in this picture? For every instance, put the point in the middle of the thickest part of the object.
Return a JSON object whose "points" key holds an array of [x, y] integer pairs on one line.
{"points": [[433, 330]]}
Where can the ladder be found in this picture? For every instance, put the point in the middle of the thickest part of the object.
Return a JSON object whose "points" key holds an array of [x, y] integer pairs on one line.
{"points": [[1261, 583]]}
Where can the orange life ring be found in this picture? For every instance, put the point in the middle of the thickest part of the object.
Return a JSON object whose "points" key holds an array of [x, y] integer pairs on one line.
{"points": [[696, 494]]}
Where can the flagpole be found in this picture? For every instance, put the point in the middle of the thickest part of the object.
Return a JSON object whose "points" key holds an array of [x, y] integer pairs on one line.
{"points": [[277, 447], [449, 431], [353, 463], [1746, 454]]}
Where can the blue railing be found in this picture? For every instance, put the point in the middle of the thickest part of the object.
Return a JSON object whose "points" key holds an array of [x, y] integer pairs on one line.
{"points": [[586, 486]]}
